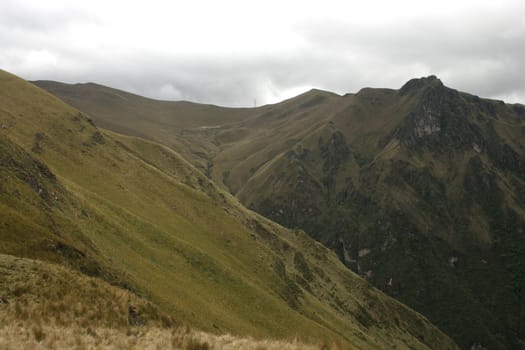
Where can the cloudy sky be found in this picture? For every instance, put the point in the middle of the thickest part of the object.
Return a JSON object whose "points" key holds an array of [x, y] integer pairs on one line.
{"points": [[231, 52]]}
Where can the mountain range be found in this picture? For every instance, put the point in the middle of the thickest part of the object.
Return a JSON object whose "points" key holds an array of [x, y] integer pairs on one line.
{"points": [[419, 190], [99, 231]]}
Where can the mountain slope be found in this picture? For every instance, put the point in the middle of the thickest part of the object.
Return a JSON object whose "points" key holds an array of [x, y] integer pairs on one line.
{"points": [[146, 220], [419, 189], [131, 114], [48, 306]]}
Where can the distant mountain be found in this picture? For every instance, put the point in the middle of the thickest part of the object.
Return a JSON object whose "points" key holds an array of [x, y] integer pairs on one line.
{"points": [[137, 215], [421, 190]]}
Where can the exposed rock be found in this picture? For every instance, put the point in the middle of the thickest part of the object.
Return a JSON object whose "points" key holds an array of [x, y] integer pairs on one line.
{"points": [[415, 85], [134, 319], [453, 261], [363, 252], [346, 256], [477, 346], [427, 122]]}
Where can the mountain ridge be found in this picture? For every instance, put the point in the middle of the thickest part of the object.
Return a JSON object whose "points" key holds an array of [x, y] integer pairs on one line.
{"points": [[77, 194], [416, 189]]}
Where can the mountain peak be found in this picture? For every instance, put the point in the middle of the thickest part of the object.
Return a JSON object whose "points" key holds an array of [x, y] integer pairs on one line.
{"points": [[318, 92], [417, 84]]}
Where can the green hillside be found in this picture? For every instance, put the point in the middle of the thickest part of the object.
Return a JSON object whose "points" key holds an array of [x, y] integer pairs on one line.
{"points": [[139, 216], [420, 190], [134, 116]]}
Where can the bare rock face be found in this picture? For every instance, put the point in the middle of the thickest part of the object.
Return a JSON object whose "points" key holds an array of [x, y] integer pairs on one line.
{"points": [[442, 118], [427, 123], [417, 84], [435, 103]]}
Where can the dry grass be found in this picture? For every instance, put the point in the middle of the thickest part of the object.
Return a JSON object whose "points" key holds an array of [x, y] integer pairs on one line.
{"points": [[20, 336], [227, 342], [44, 306], [43, 294]]}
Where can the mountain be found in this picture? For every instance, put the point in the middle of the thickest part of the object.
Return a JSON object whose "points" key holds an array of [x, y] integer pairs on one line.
{"points": [[135, 115], [137, 215], [420, 190]]}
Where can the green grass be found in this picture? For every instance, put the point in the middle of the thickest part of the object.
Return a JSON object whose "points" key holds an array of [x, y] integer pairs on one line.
{"points": [[137, 214], [354, 168]]}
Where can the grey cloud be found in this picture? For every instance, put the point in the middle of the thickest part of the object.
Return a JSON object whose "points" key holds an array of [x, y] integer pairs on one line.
{"points": [[482, 54], [21, 18]]}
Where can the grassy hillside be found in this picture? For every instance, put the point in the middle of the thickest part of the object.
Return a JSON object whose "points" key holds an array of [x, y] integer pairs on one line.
{"points": [[134, 116], [45, 306], [420, 190], [136, 214]]}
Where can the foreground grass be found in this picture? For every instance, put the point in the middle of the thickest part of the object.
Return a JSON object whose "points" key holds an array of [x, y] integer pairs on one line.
{"points": [[44, 306], [25, 336]]}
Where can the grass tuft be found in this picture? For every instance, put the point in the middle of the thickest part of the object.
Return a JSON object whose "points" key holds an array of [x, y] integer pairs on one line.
{"points": [[38, 333]]}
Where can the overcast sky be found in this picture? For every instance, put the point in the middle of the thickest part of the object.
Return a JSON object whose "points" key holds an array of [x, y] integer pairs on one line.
{"points": [[232, 52]]}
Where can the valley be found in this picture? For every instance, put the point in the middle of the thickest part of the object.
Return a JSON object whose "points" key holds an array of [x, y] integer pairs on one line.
{"points": [[130, 216], [418, 190]]}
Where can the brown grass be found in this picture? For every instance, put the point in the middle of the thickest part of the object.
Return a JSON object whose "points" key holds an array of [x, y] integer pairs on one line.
{"points": [[19, 336], [46, 306]]}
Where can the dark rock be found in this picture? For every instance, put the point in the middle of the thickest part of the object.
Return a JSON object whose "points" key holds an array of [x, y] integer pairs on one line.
{"points": [[134, 318], [414, 85], [441, 123]]}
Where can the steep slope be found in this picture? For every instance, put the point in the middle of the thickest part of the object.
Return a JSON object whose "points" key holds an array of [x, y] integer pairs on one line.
{"points": [[46, 306], [419, 189], [150, 222], [51, 306]]}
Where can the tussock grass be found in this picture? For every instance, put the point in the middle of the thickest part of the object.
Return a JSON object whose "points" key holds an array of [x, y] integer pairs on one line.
{"points": [[50, 307], [62, 337], [42, 294]]}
